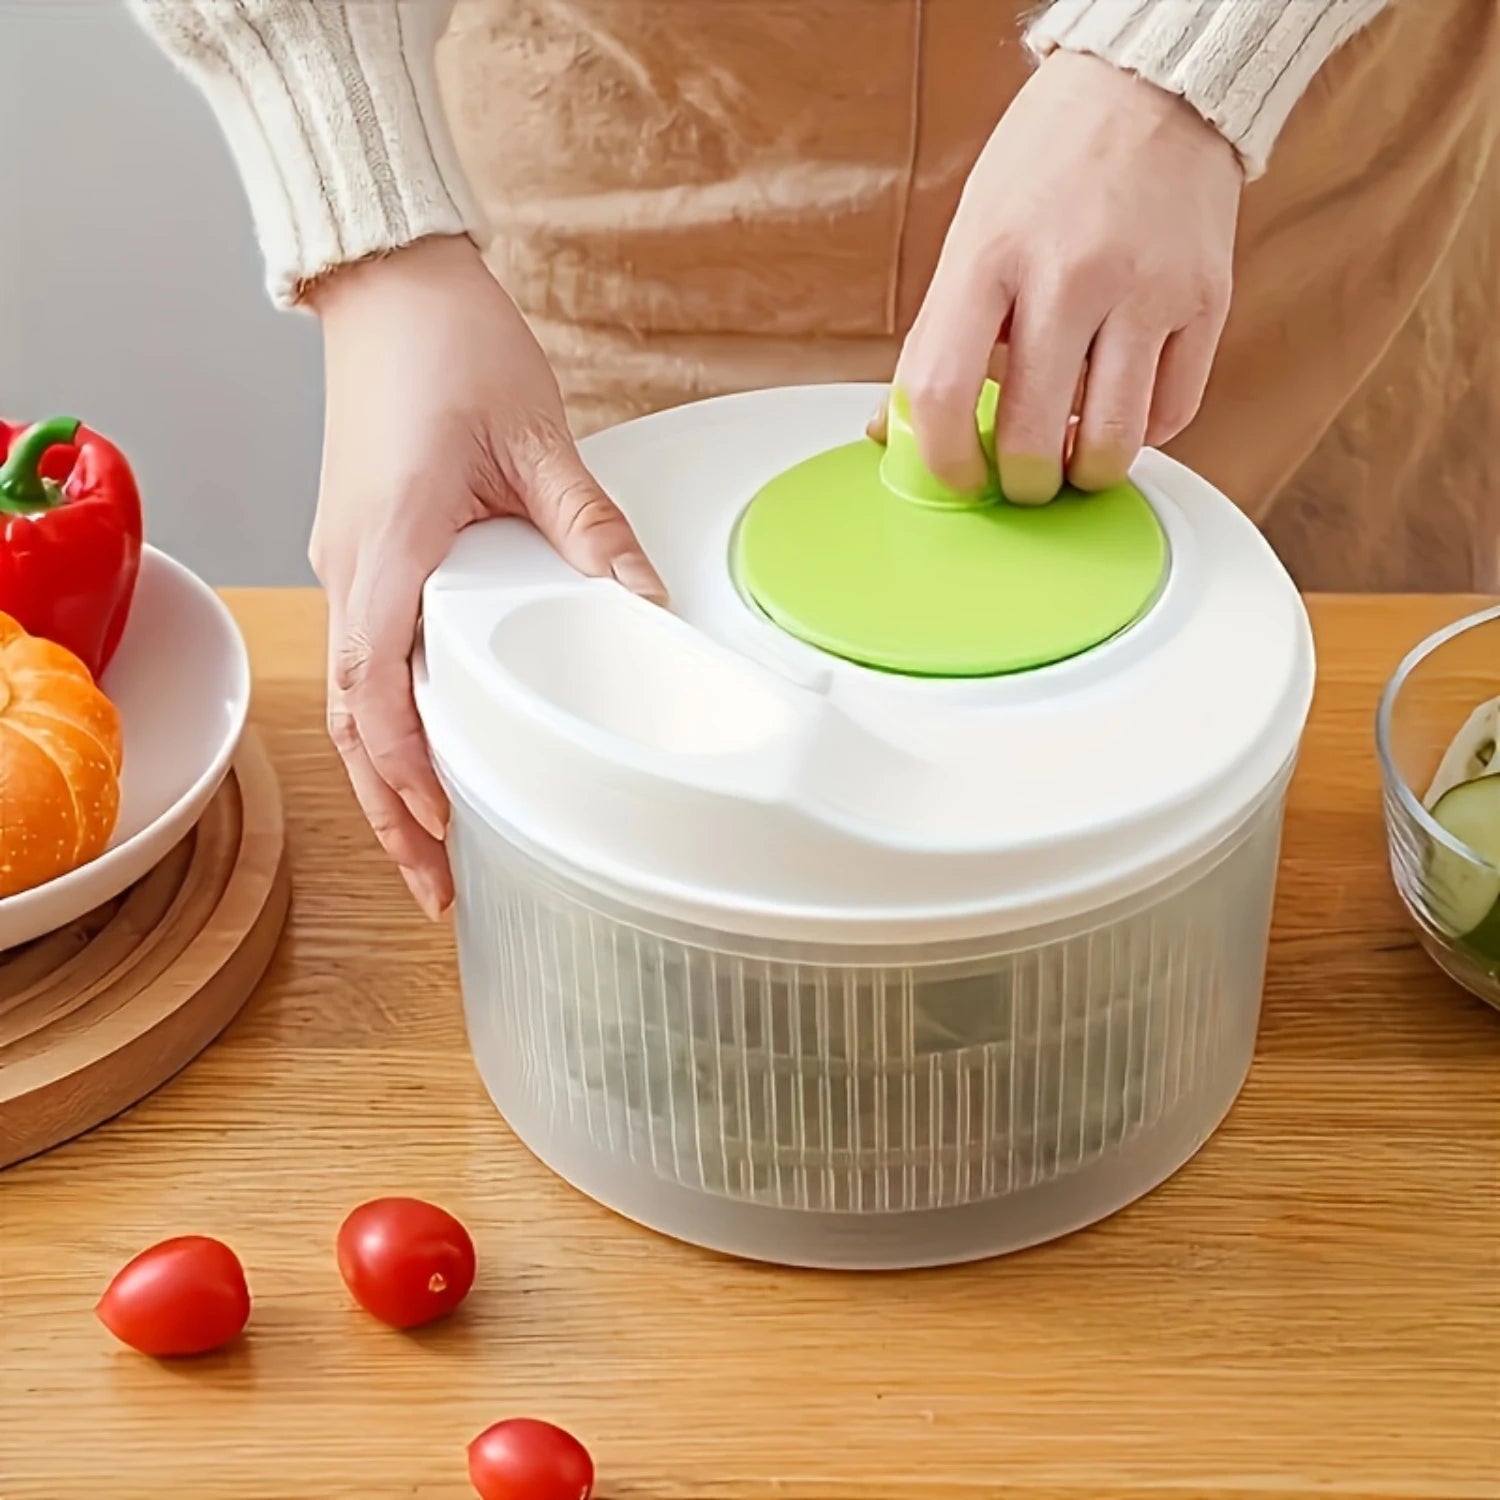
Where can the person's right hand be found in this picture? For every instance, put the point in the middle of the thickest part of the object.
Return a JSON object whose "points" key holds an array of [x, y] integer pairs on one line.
{"points": [[441, 410], [1092, 255]]}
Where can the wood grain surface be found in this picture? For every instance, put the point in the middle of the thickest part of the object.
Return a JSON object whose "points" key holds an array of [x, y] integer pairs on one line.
{"points": [[1312, 1307], [97, 1014]]}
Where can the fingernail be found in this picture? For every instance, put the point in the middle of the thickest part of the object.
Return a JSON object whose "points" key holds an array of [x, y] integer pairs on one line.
{"points": [[636, 574], [428, 896], [1092, 470], [434, 819], [1029, 480]]}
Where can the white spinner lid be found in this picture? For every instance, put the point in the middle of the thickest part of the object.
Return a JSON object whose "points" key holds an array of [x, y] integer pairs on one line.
{"points": [[701, 764]]}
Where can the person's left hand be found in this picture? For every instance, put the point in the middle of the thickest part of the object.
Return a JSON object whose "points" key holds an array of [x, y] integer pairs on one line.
{"points": [[1095, 239]]}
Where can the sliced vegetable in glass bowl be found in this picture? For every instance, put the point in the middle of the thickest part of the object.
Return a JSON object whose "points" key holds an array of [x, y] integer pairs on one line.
{"points": [[1437, 729]]}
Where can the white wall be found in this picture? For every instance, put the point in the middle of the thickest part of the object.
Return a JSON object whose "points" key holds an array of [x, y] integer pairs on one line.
{"points": [[131, 292]]}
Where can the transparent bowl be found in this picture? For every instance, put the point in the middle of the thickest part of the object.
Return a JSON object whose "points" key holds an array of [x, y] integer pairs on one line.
{"points": [[862, 1106], [1424, 706]]}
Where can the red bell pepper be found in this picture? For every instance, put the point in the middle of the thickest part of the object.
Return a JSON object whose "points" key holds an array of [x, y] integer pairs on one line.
{"points": [[70, 536]]}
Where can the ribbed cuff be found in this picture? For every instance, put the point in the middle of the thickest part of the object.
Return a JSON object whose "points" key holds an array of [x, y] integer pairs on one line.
{"points": [[332, 111], [1242, 64]]}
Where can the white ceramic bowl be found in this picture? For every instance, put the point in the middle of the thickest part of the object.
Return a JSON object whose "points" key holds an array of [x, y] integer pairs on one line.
{"points": [[181, 680]]}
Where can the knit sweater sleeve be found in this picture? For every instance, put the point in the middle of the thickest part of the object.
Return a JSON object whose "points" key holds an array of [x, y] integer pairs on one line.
{"points": [[1242, 64], [331, 109]]}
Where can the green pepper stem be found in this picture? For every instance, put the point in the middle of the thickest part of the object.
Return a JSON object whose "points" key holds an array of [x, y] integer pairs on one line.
{"points": [[22, 488]]}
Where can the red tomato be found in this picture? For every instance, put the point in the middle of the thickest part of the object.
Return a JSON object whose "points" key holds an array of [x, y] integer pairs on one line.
{"points": [[523, 1459], [183, 1296], [407, 1262]]}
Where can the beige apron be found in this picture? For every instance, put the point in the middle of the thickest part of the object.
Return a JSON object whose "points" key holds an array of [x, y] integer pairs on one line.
{"points": [[699, 196]]}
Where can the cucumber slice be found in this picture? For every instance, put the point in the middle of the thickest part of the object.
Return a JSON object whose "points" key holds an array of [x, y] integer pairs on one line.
{"points": [[1471, 755], [1484, 942], [1465, 893]]}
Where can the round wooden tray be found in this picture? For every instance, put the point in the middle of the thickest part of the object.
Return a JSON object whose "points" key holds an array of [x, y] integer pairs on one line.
{"points": [[96, 1015]]}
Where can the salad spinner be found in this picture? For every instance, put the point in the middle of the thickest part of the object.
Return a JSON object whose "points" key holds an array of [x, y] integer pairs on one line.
{"points": [[900, 894]]}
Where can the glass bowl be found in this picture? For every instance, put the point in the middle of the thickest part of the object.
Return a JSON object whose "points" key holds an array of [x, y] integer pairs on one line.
{"points": [[1442, 880]]}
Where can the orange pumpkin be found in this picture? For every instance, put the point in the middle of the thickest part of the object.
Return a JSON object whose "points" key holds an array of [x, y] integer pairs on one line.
{"points": [[59, 761]]}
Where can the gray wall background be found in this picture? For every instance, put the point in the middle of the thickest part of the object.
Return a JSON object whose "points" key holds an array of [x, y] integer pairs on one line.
{"points": [[131, 292]]}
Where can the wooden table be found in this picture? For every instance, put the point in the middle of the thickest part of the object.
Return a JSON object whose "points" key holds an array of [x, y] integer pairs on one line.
{"points": [[1311, 1307]]}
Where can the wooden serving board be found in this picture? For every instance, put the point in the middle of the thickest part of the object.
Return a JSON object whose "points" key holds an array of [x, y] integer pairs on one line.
{"points": [[95, 1016]]}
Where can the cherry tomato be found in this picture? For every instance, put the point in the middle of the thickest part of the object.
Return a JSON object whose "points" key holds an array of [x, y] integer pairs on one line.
{"points": [[524, 1459], [183, 1296], [406, 1262]]}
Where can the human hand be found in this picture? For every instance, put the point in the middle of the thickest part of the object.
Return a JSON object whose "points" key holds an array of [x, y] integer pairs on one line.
{"points": [[441, 410], [1094, 240]]}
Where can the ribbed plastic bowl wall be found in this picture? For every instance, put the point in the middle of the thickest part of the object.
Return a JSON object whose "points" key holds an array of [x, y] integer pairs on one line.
{"points": [[862, 1106]]}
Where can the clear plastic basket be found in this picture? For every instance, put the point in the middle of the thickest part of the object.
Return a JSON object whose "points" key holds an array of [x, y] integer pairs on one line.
{"points": [[863, 1106]]}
